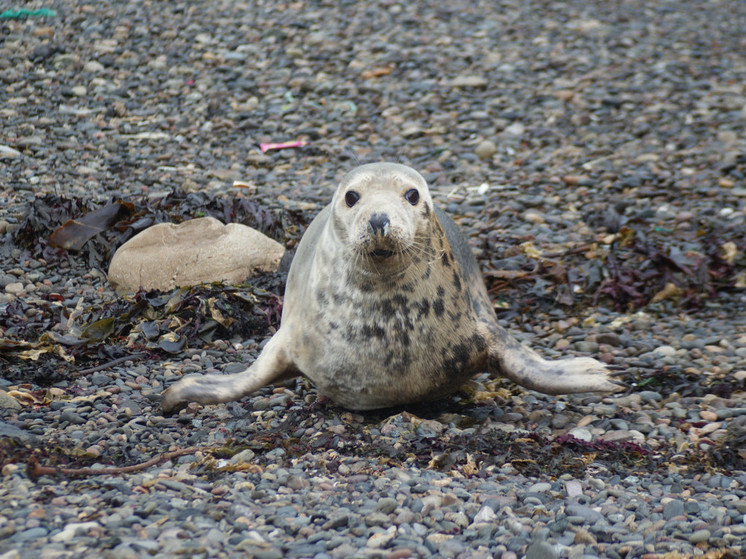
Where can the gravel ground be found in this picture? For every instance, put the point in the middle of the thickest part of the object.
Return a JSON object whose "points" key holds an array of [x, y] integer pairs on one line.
{"points": [[595, 153]]}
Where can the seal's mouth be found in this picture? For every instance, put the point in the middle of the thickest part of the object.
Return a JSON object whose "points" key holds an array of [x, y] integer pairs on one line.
{"points": [[382, 253]]}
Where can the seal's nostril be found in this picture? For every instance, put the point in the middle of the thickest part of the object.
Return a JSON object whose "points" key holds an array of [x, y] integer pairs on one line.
{"points": [[379, 224]]}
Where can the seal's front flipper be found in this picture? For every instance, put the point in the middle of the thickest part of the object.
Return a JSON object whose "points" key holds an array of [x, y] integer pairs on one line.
{"points": [[272, 365], [524, 366]]}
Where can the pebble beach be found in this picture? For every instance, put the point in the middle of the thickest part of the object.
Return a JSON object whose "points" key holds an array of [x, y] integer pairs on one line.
{"points": [[593, 152]]}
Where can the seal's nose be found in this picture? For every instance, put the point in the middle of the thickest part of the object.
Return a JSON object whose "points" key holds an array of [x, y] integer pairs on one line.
{"points": [[378, 224]]}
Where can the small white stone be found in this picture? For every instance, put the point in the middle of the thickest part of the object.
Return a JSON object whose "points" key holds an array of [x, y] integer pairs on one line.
{"points": [[379, 540], [581, 434], [533, 216], [573, 488], [516, 129], [439, 537], [485, 150], [727, 137], [483, 188], [664, 351], [411, 130], [647, 158], [469, 81], [486, 514], [245, 456], [540, 487], [622, 436], [15, 288], [69, 531], [726, 212], [85, 170], [93, 66], [10, 469], [8, 152]]}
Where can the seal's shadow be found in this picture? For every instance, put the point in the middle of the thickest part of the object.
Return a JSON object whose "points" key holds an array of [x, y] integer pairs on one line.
{"points": [[456, 405]]}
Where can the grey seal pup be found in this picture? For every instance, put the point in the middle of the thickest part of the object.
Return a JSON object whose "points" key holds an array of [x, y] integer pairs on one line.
{"points": [[385, 305]]}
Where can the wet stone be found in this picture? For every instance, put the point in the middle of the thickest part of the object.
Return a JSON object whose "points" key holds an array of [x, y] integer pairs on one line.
{"points": [[100, 379], [673, 509], [30, 534], [585, 512], [386, 505], [71, 416], [699, 536]]}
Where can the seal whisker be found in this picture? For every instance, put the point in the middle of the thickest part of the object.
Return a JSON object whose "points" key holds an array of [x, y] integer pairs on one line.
{"points": [[422, 249]]}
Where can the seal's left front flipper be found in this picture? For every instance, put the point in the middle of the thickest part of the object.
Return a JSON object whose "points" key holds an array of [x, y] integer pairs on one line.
{"points": [[565, 376]]}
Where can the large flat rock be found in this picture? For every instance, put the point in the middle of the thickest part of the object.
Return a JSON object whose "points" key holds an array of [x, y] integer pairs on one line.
{"points": [[201, 250]]}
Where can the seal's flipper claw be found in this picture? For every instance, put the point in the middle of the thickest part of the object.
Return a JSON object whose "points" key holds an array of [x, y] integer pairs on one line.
{"points": [[571, 376], [271, 365], [580, 374]]}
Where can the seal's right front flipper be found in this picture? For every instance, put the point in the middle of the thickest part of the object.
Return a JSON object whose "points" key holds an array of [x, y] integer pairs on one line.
{"points": [[272, 365]]}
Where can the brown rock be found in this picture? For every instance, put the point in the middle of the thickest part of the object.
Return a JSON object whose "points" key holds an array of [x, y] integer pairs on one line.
{"points": [[564, 94], [584, 537], [201, 250], [44, 31], [574, 180], [708, 415]]}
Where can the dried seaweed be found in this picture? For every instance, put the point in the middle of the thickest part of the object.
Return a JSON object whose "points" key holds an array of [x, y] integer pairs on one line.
{"points": [[730, 452], [639, 268], [644, 264], [47, 349], [54, 338], [54, 225], [75, 233], [472, 454]]}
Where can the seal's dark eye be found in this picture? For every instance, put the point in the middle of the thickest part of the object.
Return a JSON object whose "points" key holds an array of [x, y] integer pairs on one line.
{"points": [[351, 198], [412, 196]]}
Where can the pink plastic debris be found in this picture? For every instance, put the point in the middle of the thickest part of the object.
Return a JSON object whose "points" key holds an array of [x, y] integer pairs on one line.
{"points": [[282, 145]]}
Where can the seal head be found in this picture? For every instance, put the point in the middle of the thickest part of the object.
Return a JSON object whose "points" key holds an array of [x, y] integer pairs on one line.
{"points": [[380, 219]]}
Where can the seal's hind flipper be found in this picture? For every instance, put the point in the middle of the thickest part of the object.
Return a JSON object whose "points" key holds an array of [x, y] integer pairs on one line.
{"points": [[524, 366], [272, 365]]}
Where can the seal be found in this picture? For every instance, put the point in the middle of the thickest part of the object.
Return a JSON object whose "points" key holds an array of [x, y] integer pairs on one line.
{"points": [[385, 305]]}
